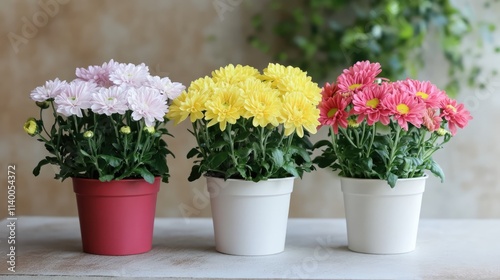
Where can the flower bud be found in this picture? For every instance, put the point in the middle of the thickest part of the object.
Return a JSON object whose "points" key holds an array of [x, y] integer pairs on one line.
{"points": [[43, 104], [31, 127], [441, 132], [88, 134], [125, 129], [353, 123], [150, 129]]}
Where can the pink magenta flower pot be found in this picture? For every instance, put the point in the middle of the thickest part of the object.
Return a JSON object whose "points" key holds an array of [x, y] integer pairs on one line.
{"points": [[116, 217]]}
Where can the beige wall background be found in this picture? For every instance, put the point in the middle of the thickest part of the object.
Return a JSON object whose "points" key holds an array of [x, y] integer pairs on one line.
{"points": [[185, 40]]}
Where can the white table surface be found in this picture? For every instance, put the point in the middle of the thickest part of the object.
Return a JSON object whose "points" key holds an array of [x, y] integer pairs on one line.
{"points": [[315, 249]]}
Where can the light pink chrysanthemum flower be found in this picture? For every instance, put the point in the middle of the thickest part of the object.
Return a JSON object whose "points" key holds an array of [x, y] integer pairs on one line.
{"points": [[148, 104], [424, 91], [130, 75], [367, 104], [165, 86], [455, 114], [359, 75], [76, 97], [404, 108], [431, 120], [109, 101], [98, 74], [332, 112], [51, 89]]}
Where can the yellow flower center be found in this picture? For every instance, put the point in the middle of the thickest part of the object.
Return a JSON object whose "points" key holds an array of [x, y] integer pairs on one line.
{"points": [[354, 86], [373, 103], [332, 112], [403, 109], [451, 107], [423, 95]]}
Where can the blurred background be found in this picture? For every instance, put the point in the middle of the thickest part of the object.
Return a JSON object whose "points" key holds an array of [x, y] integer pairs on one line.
{"points": [[452, 43]]}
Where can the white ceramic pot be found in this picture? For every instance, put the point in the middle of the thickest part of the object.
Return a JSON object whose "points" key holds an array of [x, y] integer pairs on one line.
{"points": [[381, 219], [250, 218]]}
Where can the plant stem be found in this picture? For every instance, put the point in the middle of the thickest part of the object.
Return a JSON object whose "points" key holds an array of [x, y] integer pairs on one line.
{"points": [[394, 148], [231, 144], [374, 131], [262, 143]]}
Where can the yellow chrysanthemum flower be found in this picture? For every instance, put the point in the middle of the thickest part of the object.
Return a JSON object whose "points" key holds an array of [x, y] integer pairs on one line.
{"points": [[298, 113], [291, 79], [275, 72], [190, 104], [201, 84], [261, 102], [232, 75], [225, 106]]}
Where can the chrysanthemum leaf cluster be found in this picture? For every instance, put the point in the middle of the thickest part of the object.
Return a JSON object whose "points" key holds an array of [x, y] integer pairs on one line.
{"points": [[250, 125], [385, 130], [107, 124]]}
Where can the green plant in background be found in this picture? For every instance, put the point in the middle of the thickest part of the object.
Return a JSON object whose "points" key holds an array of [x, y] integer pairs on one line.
{"points": [[321, 36]]}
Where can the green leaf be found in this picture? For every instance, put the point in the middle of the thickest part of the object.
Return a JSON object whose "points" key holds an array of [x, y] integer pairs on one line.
{"points": [[195, 173], [148, 176], [106, 178], [290, 168], [193, 152], [278, 157], [36, 170], [111, 160], [322, 143], [85, 153], [392, 179], [214, 161], [436, 170]]}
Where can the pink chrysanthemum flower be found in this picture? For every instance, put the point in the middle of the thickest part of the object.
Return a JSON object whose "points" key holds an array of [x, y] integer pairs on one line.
{"points": [[130, 75], [424, 91], [98, 74], [404, 108], [367, 104], [148, 104], [332, 112], [109, 101], [76, 97], [165, 86], [455, 114], [431, 120], [329, 90], [359, 75], [50, 90]]}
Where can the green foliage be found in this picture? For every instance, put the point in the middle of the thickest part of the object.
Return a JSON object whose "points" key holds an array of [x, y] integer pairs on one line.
{"points": [[321, 36], [373, 153], [243, 151], [94, 147]]}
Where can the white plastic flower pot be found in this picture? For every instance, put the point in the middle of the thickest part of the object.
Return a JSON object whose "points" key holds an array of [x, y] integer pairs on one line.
{"points": [[381, 219], [250, 218]]}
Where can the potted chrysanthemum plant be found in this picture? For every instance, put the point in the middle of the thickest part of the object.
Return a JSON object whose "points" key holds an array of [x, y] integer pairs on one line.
{"points": [[104, 130], [382, 138], [252, 133]]}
